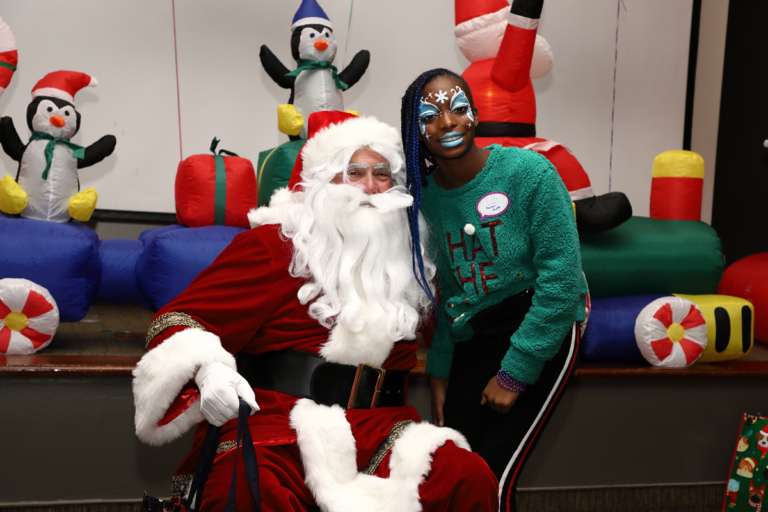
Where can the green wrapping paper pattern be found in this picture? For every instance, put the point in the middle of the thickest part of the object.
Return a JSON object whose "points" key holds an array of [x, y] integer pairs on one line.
{"points": [[747, 481]]}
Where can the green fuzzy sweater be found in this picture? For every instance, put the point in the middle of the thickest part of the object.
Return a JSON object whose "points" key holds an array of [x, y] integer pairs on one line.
{"points": [[512, 227]]}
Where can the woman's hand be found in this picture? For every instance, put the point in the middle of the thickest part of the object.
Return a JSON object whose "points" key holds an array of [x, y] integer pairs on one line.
{"points": [[498, 399], [439, 387]]}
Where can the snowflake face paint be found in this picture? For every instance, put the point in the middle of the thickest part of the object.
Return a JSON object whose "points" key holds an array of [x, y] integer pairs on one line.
{"points": [[446, 117]]}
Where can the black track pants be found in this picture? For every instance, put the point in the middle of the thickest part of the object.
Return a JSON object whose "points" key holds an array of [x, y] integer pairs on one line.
{"points": [[504, 440]]}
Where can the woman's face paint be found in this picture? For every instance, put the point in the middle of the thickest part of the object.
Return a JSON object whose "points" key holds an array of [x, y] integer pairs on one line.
{"points": [[446, 118], [460, 103], [427, 113]]}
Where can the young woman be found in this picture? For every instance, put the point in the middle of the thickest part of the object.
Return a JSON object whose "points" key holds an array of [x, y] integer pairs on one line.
{"points": [[511, 288]]}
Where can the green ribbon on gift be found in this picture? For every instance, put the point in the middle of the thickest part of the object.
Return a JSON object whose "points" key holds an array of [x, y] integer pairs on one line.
{"points": [[305, 64], [77, 151], [220, 191]]}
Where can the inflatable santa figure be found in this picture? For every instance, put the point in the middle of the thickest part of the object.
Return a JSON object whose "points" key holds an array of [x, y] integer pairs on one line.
{"points": [[505, 52]]}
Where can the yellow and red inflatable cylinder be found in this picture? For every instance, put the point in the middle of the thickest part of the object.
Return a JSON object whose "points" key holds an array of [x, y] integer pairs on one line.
{"points": [[676, 186], [215, 190]]}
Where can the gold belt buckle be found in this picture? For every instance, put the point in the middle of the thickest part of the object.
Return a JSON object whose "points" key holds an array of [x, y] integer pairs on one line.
{"points": [[377, 391]]}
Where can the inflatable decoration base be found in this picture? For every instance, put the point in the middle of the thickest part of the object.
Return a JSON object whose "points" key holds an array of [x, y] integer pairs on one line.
{"points": [[29, 317], [652, 256], [748, 278], [118, 270], [173, 256], [610, 333], [63, 258]]}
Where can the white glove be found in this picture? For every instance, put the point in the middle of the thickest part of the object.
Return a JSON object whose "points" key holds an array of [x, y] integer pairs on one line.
{"points": [[221, 388]]}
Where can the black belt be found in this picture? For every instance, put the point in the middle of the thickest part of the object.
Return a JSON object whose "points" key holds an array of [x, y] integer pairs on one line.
{"points": [[311, 376], [506, 316], [503, 129]]}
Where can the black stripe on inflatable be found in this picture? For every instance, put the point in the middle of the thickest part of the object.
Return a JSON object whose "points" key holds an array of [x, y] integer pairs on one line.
{"points": [[746, 329], [527, 8], [499, 129], [722, 329], [129, 216]]}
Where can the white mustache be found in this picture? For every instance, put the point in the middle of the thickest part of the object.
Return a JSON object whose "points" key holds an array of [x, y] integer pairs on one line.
{"points": [[396, 198]]}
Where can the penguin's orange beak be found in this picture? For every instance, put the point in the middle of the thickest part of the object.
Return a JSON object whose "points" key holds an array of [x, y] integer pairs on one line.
{"points": [[57, 121], [321, 44]]}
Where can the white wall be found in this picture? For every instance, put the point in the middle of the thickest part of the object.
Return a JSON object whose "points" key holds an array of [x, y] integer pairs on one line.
{"points": [[134, 48]]}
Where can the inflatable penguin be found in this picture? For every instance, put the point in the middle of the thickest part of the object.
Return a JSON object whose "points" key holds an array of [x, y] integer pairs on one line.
{"points": [[315, 84], [505, 52], [47, 185]]}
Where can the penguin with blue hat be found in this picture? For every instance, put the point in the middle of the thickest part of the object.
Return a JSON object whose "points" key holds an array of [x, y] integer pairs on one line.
{"points": [[315, 84]]}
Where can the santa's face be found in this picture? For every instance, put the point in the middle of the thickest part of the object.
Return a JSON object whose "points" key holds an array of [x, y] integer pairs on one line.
{"points": [[368, 171], [446, 118]]}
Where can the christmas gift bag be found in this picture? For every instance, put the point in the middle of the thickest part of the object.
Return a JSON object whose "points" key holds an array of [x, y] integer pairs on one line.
{"points": [[749, 470], [215, 190]]}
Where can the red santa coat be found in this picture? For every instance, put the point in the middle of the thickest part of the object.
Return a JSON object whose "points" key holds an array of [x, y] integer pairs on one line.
{"points": [[246, 301]]}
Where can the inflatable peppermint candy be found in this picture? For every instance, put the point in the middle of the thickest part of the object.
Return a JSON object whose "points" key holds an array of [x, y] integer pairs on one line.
{"points": [[671, 332], [29, 316]]}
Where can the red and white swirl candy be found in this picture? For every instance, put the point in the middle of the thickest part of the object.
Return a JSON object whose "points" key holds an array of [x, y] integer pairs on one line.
{"points": [[29, 316], [671, 332]]}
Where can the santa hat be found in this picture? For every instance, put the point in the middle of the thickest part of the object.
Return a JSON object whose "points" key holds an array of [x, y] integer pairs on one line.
{"points": [[9, 57], [63, 85], [310, 13], [332, 131]]}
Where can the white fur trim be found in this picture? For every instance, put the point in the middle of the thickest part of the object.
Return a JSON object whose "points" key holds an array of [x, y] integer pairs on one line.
{"points": [[283, 206], [312, 21], [328, 452], [412, 453], [480, 38], [581, 193], [354, 132], [523, 22], [159, 377]]}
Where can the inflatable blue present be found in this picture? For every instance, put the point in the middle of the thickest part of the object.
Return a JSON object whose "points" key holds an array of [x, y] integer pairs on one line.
{"points": [[173, 256], [61, 257]]}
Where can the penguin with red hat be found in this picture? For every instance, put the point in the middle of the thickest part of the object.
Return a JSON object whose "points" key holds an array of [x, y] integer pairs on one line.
{"points": [[47, 185], [315, 84]]}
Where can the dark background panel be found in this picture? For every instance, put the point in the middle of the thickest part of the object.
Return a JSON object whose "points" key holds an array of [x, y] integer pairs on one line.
{"points": [[740, 205]]}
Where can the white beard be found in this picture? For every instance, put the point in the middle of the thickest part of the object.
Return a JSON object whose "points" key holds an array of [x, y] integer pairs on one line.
{"points": [[355, 252]]}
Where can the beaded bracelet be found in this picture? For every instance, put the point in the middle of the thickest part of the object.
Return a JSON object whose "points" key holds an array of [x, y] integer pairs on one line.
{"points": [[509, 383]]}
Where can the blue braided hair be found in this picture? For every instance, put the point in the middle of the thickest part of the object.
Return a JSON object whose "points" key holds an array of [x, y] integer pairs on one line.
{"points": [[418, 160]]}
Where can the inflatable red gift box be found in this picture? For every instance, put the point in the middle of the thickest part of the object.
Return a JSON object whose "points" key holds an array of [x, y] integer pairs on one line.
{"points": [[215, 190]]}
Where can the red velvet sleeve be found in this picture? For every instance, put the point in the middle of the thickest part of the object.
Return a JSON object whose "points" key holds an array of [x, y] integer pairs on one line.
{"points": [[239, 291]]}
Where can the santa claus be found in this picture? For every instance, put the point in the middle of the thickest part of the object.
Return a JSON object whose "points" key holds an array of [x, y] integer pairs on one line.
{"points": [[310, 318]]}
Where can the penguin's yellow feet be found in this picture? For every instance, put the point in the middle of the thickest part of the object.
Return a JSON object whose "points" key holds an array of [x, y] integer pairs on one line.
{"points": [[13, 199], [289, 121], [82, 204]]}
